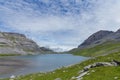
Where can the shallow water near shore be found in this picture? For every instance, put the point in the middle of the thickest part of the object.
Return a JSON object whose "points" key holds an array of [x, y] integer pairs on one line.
{"points": [[22, 65]]}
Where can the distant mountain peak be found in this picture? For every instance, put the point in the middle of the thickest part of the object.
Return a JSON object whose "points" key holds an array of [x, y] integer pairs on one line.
{"points": [[99, 43], [95, 37], [118, 31]]}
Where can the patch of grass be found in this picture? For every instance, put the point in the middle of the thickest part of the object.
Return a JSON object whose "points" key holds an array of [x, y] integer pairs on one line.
{"points": [[105, 48], [104, 73], [9, 54]]}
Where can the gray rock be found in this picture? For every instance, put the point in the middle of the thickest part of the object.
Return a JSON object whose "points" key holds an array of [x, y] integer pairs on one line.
{"points": [[81, 75], [115, 63], [98, 64], [73, 78], [116, 78], [58, 79]]}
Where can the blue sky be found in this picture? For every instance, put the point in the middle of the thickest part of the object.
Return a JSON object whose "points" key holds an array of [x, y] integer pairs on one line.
{"points": [[59, 23]]}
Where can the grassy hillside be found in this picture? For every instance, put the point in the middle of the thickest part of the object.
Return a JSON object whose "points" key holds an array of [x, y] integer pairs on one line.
{"points": [[102, 49], [9, 54], [66, 73]]}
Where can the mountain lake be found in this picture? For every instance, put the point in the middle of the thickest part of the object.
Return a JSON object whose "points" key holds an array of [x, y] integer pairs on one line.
{"points": [[22, 65]]}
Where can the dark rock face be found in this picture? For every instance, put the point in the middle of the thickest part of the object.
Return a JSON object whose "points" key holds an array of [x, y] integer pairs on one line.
{"points": [[100, 37], [15, 43], [95, 38], [118, 31], [45, 49]]}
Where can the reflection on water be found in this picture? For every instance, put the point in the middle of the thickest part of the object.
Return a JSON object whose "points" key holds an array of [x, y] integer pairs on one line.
{"points": [[20, 65]]}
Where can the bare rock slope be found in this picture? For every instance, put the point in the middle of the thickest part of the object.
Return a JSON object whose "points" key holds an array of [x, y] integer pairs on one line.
{"points": [[100, 37], [15, 43]]}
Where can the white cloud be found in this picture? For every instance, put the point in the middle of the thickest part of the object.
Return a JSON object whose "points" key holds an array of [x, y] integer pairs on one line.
{"points": [[66, 31]]}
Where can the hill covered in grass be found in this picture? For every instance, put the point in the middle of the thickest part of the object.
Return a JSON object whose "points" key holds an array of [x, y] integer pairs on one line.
{"points": [[101, 49]]}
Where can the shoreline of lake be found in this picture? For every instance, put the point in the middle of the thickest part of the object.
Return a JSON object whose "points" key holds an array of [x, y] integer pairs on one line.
{"points": [[23, 65]]}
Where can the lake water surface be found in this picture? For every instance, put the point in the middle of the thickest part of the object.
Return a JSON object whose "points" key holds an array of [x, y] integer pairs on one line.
{"points": [[21, 65]]}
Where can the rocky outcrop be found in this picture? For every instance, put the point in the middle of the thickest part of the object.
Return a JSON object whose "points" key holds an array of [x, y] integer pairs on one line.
{"points": [[15, 43], [99, 64], [58, 79], [86, 69]]}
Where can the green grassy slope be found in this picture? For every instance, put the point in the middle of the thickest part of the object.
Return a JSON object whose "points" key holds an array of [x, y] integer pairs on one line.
{"points": [[66, 73], [9, 54], [105, 48], [104, 73]]}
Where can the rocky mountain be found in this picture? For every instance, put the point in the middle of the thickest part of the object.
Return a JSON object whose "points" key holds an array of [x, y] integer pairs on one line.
{"points": [[100, 43], [15, 43], [100, 37], [95, 38]]}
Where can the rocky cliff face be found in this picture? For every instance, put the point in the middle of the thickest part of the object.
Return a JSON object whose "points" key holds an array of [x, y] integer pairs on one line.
{"points": [[15, 43], [100, 37]]}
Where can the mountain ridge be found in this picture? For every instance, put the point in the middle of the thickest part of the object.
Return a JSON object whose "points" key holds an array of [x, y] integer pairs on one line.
{"points": [[101, 37], [94, 38], [16, 43], [100, 43]]}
